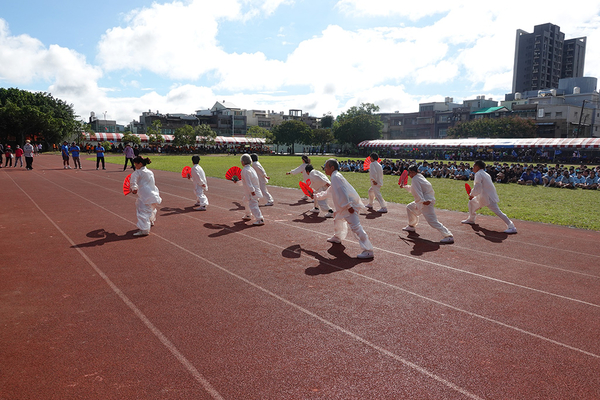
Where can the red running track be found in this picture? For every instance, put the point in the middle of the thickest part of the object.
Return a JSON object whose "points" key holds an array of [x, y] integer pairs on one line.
{"points": [[210, 307]]}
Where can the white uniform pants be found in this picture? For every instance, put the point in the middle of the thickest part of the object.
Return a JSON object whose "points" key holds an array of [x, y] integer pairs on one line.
{"points": [[146, 215], [375, 193], [322, 204], [252, 207], [414, 210], [200, 196], [265, 192], [475, 205], [340, 230]]}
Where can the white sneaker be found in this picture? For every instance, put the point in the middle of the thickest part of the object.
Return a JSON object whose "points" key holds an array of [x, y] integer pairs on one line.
{"points": [[141, 233], [409, 228], [511, 230], [200, 208], [259, 222], [334, 239], [447, 240], [197, 204], [270, 203], [65, 167], [467, 221], [382, 210], [68, 167], [369, 206], [329, 214], [315, 210], [247, 217], [366, 254], [304, 198]]}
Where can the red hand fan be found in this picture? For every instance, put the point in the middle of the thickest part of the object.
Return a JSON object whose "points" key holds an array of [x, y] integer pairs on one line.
{"points": [[305, 189], [468, 188], [186, 172], [403, 178], [126, 185], [234, 171], [367, 163]]}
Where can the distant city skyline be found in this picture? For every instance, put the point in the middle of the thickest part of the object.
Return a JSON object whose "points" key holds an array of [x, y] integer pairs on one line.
{"points": [[124, 58]]}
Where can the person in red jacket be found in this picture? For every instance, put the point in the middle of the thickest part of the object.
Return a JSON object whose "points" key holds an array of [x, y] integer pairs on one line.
{"points": [[18, 156]]}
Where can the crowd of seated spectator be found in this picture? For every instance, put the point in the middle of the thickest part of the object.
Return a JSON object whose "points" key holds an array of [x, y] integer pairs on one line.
{"points": [[559, 175]]}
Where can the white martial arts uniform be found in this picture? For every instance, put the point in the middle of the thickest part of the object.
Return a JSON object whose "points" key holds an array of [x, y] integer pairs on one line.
{"points": [[262, 180], [199, 179], [250, 184], [422, 191], [319, 182], [485, 195], [345, 196], [376, 175], [142, 180]]}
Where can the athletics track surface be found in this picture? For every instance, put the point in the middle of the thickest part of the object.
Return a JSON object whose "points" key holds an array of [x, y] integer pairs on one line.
{"points": [[209, 307]]}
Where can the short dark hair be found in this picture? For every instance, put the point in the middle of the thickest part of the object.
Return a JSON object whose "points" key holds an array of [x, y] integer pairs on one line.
{"points": [[195, 159], [308, 168], [374, 156], [479, 163], [413, 168], [254, 157]]}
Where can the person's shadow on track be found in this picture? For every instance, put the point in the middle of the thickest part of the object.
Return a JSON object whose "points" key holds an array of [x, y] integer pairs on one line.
{"points": [[172, 211], [299, 203], [420, 246], [492, 236], [309, 218], [226, 229], [340, 261], [240, 206], [106, 237], [372, 214]]}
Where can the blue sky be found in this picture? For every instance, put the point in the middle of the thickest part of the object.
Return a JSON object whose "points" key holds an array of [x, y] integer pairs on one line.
{"points": [[129, 56]]}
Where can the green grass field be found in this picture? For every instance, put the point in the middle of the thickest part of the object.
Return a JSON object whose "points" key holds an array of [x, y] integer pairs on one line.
{"points": [[577, 208]]}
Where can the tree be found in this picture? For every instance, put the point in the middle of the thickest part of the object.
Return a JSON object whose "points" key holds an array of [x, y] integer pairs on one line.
{"points": [[184, 136], [327, 121], [291, 132], [205, 133], [37, 116], [129, 137], [154, 133], [322, 137], [509, 127], [363, 109], [357, 128], [260, 132]]}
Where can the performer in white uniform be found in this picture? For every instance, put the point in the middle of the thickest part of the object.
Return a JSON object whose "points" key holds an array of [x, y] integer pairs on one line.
{"points": [[263, 179], [301, 169], [252, 191], [376, 176], [347, 205], [483, 194], [200, 184], [424, 203], [319, 182], [142, 184]]}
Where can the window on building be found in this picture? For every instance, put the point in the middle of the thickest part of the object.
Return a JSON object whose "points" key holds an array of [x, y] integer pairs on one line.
{"points": [[559, 114]]}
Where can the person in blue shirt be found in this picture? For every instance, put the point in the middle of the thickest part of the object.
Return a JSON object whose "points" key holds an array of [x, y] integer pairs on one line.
{"points": [[527, 177], [64, 150], [565, 181], [578, 179], [100, 156], [591, 182], [75, 154]]}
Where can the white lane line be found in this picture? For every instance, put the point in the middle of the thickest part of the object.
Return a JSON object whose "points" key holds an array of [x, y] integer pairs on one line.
{"points": [[517, 329], [141, 316], [488, 254], [190, 367]]}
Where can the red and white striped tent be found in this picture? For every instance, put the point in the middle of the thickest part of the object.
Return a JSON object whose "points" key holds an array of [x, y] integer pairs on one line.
{"points": [[219, 140], [579, 143]]}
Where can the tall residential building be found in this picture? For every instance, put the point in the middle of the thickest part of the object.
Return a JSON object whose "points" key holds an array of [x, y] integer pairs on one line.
{"points": [[544, 56]]}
